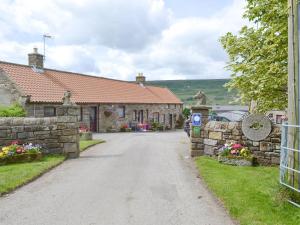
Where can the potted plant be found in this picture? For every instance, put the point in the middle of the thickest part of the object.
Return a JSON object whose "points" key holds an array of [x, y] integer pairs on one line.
{"points": [[85, 134], [235, 154], [124, 128]]}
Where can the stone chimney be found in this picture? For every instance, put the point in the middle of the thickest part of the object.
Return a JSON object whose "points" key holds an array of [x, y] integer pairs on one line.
{"points": [[36, 59], [140, 78]]}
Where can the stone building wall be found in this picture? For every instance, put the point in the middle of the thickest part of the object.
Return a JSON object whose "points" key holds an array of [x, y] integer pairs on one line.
{"points": [[56, 134], [114, 121], [8, 91], [216, 134]]}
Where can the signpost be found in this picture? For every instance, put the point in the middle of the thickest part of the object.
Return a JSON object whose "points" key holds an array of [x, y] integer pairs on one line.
{"points": [[196, 119], [196, 124]]}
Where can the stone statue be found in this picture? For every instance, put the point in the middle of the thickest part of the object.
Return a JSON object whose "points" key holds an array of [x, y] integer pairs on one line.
{"points": [[67, 98], [200, 97]]}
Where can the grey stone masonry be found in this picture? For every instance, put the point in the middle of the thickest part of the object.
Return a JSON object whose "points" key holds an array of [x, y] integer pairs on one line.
{"points": [[216, 134], [197, 137], [57, 135]]}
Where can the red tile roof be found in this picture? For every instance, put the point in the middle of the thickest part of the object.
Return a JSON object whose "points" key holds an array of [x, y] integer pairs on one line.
{"points": [[50, 86]]}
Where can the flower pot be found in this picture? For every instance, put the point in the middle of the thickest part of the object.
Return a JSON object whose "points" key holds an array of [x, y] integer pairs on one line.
{"points": [[86, 136]]}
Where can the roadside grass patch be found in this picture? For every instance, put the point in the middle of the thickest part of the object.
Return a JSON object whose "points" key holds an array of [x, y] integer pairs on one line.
{"points": [[252, 195], [83, 145], [15, 175]]}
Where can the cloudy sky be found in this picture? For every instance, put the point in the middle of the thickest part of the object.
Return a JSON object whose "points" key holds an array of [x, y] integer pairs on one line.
{"points": [[164, 39]]}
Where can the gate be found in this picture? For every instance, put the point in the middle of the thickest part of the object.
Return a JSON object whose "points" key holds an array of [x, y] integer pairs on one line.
{"points": [[290, 159]]}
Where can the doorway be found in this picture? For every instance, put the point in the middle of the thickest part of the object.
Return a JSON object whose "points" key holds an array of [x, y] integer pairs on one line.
{"points": [[171, 121], [141, 116], [93, 118]]}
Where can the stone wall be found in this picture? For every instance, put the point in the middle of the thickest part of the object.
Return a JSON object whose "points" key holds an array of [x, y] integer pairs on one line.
{"points": [[56, 134], [216, 134]]}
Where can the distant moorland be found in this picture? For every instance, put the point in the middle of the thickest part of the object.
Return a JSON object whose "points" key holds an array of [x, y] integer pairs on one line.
{"points": [[186, 89]]}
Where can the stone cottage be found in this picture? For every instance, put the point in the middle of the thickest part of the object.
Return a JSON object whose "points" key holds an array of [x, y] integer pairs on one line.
{"points": [[105, 104]]}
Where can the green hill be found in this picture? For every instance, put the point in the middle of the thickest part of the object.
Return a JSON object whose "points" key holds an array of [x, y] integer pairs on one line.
{"points": [[186, 89]]}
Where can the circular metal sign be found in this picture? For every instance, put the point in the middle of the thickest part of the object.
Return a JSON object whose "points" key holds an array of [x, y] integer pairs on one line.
{"points": [[256, 127]]}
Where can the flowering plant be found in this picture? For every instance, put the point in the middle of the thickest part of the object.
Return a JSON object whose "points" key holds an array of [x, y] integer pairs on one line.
{"points": [[235, 150], [83, 129], [15, 149]]}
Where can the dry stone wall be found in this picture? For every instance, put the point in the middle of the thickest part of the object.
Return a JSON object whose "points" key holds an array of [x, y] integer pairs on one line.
{"points": [[58, 134], [216, 134]]}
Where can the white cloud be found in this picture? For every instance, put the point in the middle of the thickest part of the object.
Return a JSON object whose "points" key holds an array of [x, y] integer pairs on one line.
{"points": [[118, 38]]}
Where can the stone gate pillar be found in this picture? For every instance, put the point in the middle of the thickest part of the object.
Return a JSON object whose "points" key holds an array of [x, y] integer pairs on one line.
{"points": [[197, 129], [67, 118]]}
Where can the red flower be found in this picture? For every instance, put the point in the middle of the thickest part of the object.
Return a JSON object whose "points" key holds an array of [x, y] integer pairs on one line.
{"points": [[15, 142], [233, 152], [237, 146]]}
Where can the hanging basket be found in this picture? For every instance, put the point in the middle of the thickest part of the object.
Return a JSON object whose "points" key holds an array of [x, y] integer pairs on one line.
{"points": [[107, 113]]}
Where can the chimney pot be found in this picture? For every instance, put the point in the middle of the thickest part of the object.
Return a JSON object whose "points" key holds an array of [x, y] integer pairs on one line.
{"points": [[36, 59], [140, 78]]}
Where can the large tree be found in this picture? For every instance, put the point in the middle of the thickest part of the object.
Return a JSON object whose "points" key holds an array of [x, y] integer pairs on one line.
{"points": [[258, 55]]}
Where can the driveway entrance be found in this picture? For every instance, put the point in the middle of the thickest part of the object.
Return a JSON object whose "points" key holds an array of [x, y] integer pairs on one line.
{"points": [[132, 179]]}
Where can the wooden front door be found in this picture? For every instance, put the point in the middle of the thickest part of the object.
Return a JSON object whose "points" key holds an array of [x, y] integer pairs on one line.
{"points": [[171, 120], [93, 119]]}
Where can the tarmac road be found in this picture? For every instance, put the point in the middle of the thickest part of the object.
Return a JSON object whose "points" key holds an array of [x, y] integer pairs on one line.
{"points": [[132, 179]]}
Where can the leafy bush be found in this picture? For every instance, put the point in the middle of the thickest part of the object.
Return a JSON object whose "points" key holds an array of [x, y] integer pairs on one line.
{"points": [[186, 112], [15, 110], [179, 123]]}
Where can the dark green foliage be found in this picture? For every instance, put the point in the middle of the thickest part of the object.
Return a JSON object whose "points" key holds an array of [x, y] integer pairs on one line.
{"points": [[15, 110], [186, 89], [179, 122], [186, 112]]}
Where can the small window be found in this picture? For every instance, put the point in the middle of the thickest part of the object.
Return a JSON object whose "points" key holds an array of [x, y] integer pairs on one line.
{"points": [[164, 118], [49, 111], [147, 114], [121, 111], [135, 115], [156, 117]]}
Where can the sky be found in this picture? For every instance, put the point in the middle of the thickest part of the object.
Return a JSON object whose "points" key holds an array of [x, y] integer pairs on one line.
{"points": [[164, 39]]}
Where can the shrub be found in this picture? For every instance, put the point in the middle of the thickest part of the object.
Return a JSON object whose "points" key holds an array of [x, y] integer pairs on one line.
{"points": [[186, 112], [179, 123], [15, 110]]}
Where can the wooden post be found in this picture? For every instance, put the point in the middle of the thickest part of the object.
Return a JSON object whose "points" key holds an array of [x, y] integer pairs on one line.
{"points": [[293, 88]]}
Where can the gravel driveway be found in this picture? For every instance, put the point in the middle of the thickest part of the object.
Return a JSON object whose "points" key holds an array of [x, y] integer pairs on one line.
{"points": [[132, 179]]}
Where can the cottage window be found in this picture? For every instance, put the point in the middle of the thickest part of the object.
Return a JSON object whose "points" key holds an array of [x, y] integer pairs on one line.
{"points": [[147, 114], [49, 111], [121, 111], [164, 118], [135, 115], [156, 117]]}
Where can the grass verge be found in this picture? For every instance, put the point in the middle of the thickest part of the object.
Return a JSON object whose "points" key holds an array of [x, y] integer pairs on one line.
{"points": [[252, 195], [15, 175], [86, 144]]}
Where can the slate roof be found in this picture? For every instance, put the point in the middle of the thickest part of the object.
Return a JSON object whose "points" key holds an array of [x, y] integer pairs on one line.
{"points": [[50, 86]]}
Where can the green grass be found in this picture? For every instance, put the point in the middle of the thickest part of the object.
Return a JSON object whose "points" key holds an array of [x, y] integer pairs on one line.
{"points": [[186, 89], [16, 175], [252, 195], [86, 144]]}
